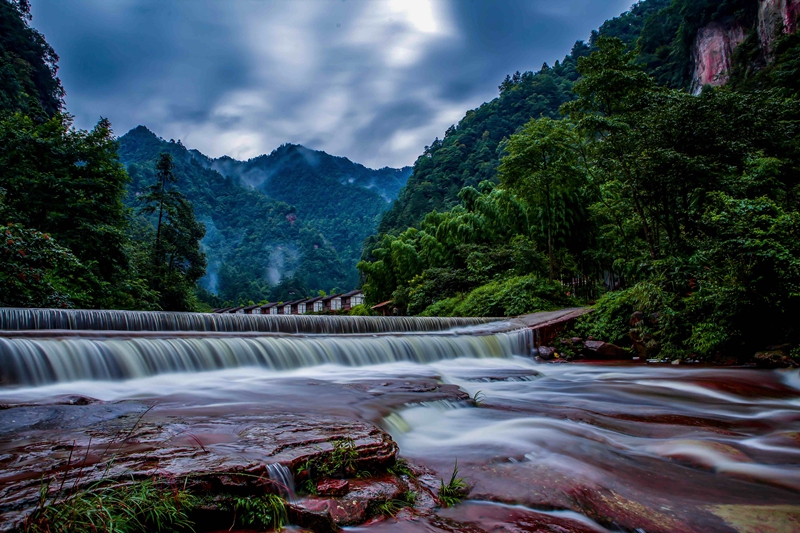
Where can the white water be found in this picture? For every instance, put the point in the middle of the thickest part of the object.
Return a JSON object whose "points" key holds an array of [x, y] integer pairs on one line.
{"points": [[675, 442]]}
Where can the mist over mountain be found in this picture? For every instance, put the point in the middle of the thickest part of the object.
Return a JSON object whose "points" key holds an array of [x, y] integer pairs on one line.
{"points": [[284, 224]]}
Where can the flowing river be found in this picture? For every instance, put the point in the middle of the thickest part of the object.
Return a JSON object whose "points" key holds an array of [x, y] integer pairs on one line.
{"points": [[580, 447]]}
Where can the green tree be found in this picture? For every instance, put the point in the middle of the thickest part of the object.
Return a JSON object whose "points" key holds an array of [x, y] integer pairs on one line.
{"points": [[69, 183], [542, 167], [176, 260], [28, 65]]}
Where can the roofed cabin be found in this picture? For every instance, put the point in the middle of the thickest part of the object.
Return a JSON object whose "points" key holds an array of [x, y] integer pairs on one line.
{"points": [[352, 299], [332, 303], [270, 309], [314, 305]]}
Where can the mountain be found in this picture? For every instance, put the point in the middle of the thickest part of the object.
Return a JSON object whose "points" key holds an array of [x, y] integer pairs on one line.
{"points": [[274, 172], [684, 44], [342, 199], [292, 222]]}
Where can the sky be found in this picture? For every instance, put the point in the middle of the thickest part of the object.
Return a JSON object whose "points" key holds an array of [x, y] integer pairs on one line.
{"points": [[372, 80]]}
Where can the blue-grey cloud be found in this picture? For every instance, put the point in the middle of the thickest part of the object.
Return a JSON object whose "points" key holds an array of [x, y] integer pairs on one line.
{"points": [[373, 80]]}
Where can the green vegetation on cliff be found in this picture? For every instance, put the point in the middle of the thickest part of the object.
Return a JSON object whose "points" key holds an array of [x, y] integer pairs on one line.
{"points": [[686, 205]]}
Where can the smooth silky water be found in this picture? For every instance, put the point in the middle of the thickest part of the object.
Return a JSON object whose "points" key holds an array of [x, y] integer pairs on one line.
{"points": [[661, 448]]}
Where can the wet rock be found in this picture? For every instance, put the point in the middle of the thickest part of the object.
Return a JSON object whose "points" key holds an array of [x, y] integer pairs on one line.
{"points": [[774, 359], [333, 487], [547, 353], [83, 444], [318, 521], [359, 503], [604, 350]]}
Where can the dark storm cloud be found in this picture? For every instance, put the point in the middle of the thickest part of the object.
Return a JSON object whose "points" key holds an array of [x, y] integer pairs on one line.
{"points": [[374, 80]]}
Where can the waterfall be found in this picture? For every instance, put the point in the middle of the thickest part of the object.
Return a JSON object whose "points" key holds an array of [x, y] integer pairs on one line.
{"points": [[283, 481], [32, 361], [68, 319]]}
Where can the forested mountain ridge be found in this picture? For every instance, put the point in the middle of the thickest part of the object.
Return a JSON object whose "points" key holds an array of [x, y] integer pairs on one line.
{"points": [[257, 248], [270, 172], [683, 43], [675, 206], [470, 151], [69, 240], [342, 199]]}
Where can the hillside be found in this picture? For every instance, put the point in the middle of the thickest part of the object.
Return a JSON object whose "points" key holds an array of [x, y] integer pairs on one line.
{"points": [[253, 243], [683, 44], [470, 151], [665, 189], [295, 216], [342, 199]]}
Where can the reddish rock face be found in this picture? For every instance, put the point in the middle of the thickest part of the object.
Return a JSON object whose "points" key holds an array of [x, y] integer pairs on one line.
{"points": [[333, 487], [714, 45], [713, 53], [109, 441], [776, 17]]}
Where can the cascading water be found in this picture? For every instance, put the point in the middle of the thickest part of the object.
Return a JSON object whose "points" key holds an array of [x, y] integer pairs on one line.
{"points": [[624, 447], [59, 319], [283, 480], [66, 346]]}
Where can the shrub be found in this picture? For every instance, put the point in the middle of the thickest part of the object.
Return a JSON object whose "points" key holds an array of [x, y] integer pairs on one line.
{"points": [[512, 297]]}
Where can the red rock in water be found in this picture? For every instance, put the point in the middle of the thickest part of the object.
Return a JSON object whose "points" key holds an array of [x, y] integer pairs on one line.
{"points": [[333, 487]]}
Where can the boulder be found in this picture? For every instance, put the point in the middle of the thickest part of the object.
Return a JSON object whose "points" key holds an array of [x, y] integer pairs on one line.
{"points": [[546, 352], [604, 350], [774, 359], [212, 455]]}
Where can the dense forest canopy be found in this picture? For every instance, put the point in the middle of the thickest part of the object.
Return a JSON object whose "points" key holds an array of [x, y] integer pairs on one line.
{"points": [[601, 177], [614, 177]]}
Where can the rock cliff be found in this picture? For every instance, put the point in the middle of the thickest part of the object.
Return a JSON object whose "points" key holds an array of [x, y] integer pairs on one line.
{"points": [[712, 53]]}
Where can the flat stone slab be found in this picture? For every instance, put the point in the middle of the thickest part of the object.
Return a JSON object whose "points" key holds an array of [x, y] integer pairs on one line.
{"points": [[81, 444]]}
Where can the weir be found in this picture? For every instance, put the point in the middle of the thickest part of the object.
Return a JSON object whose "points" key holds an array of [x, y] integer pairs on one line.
{"points": [[65, 346], [97, 320]]}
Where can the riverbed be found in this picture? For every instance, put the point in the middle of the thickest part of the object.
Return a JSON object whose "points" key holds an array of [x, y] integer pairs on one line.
{"points": [[543, 447]]}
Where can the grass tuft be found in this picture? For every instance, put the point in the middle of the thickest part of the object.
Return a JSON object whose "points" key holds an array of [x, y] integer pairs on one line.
{"points": [[138, 507], [341, 462], [451, 493], [401, 468], [265, 512]]}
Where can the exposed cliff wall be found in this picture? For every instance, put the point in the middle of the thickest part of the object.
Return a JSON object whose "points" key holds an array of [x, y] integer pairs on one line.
{"points": [[712, 53], [776, 17]]}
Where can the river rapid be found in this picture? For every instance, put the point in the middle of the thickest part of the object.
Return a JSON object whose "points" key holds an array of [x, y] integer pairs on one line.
{"points": [[580, 447]]}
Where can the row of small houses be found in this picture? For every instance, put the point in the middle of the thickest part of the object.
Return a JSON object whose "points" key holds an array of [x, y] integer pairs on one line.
{"points": [[321, 304]]}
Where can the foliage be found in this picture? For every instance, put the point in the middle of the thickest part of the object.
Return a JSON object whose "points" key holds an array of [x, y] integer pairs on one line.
{"points": [[470, 151], [175, 262], [69, 184], [697, 208], [360, 310], [35, 271], [266, 512], [512, 297], [393, 506], [340, 462], [28, 65], [452, 492], [257, 248], [400, 468], [137, 507], [454, 252]]}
